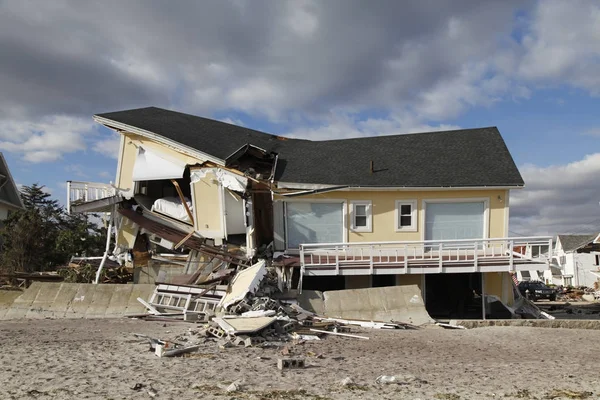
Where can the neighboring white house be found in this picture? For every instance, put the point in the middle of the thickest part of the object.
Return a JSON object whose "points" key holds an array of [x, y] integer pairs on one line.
{"points": [[578, 257], [10, 200]]}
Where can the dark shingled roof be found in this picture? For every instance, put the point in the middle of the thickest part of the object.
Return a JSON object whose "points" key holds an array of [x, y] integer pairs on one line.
{"points": [[574, 242], [459, 158]]}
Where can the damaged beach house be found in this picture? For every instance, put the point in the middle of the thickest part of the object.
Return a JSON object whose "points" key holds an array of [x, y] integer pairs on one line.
{"points": [[198, 202]]}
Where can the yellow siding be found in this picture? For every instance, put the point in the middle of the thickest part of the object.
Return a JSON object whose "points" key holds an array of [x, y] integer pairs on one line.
{"points": [[127, 233], [384, 204], [207, 195], [130, 150], [499, 284]]}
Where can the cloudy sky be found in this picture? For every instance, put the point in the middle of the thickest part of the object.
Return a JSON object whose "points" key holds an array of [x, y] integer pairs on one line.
{"points": [[313, 69]]}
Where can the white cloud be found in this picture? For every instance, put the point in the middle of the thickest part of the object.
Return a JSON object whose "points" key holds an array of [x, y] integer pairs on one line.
{"points": [[341, 125], [77, 169], [558, 198], [108, 147], [563, 44], [46, 139]]}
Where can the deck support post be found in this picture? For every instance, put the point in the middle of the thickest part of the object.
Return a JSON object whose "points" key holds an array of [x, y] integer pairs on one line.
{"points": [[483, 303]]}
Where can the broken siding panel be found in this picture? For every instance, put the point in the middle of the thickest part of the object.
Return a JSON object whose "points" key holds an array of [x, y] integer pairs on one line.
{"points": [[208, 211], [384, 214], [127, 233], [129, 155]]}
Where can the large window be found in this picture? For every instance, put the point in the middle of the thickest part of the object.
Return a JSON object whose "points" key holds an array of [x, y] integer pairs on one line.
{"points": [[361, 216], [314, 223], [406, 215], [454, 220]]}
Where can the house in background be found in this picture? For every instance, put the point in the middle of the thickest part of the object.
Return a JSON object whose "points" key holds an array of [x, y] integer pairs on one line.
{"points": [[429, 209], [10, 198], [578, 258]]}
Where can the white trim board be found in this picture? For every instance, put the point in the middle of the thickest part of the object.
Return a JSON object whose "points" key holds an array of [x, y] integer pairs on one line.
{"points": [[350, 188], [369, 214], [486, 212], [158, 138], [414, 215]]}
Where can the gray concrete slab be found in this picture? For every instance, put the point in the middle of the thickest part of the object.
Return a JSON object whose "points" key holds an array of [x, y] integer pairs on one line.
{"points": [[64, 299], [391, 303], [138, 290], [100, 301], [22, 304], [81, 301], [7, 297], [45, 298], [118, 300]]}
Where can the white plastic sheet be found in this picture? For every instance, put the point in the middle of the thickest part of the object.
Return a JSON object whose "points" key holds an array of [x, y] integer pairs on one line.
{"points": [[152, 166], [227, 179]]}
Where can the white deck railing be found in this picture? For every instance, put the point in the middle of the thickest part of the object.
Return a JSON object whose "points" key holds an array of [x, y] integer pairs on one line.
{"points": [[81, 192], [502, 254]]}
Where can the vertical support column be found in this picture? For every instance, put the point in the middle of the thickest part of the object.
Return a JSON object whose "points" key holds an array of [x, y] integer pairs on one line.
{"points": [[107, 249], [69, 197], [337, 260], [371, 260], [440, 255], [301, 269], [483, 302], [511, 255]]}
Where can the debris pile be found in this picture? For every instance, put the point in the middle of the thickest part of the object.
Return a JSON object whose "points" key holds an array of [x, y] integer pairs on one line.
{"points": [[244, 313], [83, 270]]}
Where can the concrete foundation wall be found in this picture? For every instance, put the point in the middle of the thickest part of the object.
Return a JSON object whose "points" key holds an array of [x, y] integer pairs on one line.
{"points": [[77, 300], [391, 303]]}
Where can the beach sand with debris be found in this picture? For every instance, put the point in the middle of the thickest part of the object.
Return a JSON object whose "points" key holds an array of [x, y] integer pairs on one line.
{"points": [[102, 359]]}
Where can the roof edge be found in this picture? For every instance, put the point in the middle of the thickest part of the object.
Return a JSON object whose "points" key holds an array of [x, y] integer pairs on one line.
{"points": [[119, 126], [21, 205]]}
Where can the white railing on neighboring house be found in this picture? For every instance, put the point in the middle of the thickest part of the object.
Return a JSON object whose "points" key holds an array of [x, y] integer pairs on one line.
{"points": [[81, 192], [429, 256]]}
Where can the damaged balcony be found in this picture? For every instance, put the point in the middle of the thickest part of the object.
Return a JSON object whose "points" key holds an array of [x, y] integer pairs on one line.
{"points": [[423, 257], [83, 194]]}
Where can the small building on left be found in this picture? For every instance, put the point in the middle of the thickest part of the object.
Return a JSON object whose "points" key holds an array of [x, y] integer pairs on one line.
{"points": [[10, 200]]}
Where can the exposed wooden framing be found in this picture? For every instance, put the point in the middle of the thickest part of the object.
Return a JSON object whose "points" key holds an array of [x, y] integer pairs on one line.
{"points": [[180, 193], [185, 239]]}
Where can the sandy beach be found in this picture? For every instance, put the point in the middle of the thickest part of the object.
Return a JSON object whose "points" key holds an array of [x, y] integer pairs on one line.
{"points": [[102, 359]]}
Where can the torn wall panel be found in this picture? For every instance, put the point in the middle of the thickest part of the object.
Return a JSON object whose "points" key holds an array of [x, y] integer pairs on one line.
{"points": [[208, 208]]}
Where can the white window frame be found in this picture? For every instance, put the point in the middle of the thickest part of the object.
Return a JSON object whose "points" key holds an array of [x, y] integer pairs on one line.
{"points": [[414, 214], [344, 217], [369, 214], [486, 211]]}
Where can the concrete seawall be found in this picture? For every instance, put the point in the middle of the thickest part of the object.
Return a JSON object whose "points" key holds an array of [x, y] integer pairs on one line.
{"points": [[535, 323], [76, 300]]}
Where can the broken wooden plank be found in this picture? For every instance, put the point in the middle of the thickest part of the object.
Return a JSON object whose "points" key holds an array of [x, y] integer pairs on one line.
{"points": [[340, 334]]}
